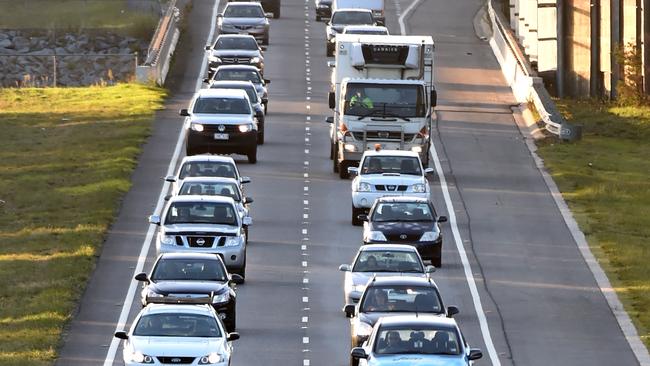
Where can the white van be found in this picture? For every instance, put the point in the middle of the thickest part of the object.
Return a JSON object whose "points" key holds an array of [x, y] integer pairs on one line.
{"points": [[377, 7]]}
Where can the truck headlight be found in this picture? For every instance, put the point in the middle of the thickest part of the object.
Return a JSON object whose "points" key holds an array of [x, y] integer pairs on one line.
{"points": [[232, 241], [363, 329], [416, 149], [255, 60], [350, 147], [430, 236], [375, 236], [211, 358], [214, 59], [419, 188], [363, 187], [218, 299], [197, 127], [245, 128], [167, 239], [358, 288]]}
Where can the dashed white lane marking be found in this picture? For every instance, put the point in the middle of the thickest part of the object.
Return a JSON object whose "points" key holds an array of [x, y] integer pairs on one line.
{"points": [[305, 280], [305, 319], [304, 263], [305, 299], [305, 340], [305, 362]]}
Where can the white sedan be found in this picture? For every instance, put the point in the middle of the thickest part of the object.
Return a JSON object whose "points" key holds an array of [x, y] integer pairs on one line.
{"points": [[165, 334]]}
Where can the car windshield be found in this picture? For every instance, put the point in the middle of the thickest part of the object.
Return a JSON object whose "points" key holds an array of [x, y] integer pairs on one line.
{"points": [[236, 43], [208, 169], [409, 165], [417, 340], [240, 75], [211, 189], [402, 211], [385, 100], [385, 299], [201, 213], [214, 105], [250, 90], [387, 261], [352, 17], [188, 270], [177, 325], [243, 11]]}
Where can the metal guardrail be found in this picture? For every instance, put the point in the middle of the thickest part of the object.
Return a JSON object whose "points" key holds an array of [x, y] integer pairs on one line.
{"points": [[526, 86], [161, 48]]}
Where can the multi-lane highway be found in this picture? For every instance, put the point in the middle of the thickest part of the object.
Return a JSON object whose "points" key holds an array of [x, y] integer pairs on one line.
{"points": [[526, 295]]}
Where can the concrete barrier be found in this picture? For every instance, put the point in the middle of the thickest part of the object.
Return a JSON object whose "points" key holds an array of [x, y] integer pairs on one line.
{"points": [[162, 46]]}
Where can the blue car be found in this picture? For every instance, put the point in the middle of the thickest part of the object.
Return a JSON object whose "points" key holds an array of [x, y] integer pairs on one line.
{"points": [[416, 340]]}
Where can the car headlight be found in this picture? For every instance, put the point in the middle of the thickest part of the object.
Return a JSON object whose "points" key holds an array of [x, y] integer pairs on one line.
{"points": [[376, 236], [416, 149], [167, 239], [358, 288], [214, 59], [260, 26], [255, 60], [419, 188], [245, 128], [331, 31], [363, 187], [232, 241], [197, 127], [211, 358], [430, 236], [363, 329], [138, 357], [151, 293], [322, 6], [218, 299]]}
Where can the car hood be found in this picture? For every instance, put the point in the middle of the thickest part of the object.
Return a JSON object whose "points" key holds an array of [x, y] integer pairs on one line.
{"points": [[188, 287], [200, 229], [418, 360], [362, 278], [406, 227], [235, 53], [244, 21], [391, 179], [230, 119], [177, 346], [371, 318]]}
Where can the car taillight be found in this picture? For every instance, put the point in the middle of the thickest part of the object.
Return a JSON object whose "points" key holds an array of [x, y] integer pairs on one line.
{"points": [[343, 127], [424, 132]]}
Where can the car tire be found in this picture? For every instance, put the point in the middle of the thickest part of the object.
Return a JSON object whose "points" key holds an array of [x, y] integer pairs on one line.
{"points": [[265, 41], [260, 135], [355, 219], [252, 155], [331, 151], [354, 361], [330, 50], [343, 170], [276, 12], [231, 326], [318, 18], [265, 107], [436, 258]]}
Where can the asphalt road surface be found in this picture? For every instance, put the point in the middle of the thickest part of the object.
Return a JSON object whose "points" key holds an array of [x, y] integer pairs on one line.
{"points": [[525, 293]]}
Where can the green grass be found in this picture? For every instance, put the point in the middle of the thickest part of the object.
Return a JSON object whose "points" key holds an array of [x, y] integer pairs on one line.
{"points": [[78, 15], [66, 156], [605, 178]]}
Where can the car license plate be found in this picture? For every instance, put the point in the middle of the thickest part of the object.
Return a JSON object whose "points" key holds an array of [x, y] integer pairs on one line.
{"points": [[221, 136]]}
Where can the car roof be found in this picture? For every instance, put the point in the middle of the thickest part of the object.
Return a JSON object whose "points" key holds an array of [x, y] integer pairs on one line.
{"points": [[211, 180], [390, 153], [208, 157], [358, 10], [243, 3], [402, 281], [237, 67], [222, 93], [235, 36], [391, 247], [201, 198], [365, 27], [403, 199], [189, 255], [175, 309], [417, 320], [232, 83]]}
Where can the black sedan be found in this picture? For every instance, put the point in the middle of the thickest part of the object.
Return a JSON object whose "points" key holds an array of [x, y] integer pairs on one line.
{"points": [[323, 9], [405, 220], [235, 49], [188, 275]]}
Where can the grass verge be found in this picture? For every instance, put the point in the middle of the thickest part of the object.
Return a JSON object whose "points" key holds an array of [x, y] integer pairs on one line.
{"points": [[66, 156], [605, 179]]}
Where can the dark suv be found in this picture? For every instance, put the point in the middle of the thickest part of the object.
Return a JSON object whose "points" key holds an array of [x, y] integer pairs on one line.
{"points": [[235, 49]]}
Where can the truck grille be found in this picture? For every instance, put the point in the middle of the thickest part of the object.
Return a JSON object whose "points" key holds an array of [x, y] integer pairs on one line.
{"points": [[200, 241], [211, 128], [175, 360], [383, 135], [391, 188]]}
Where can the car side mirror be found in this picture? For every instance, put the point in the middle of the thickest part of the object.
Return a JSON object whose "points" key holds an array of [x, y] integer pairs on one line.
{"points": [[331, 64], [244, 180], [345, 268], [264, 48], [429, 269], [353, 170], [248, 200], [206, 80], [348, 309], [167, 197], [434, 98], [154, 219], [170, 178], [208, 48], [267, 81], [358, 352], [236, 279], [220, 15], [451, 311], [329, 119], [442, 218], [475, 354], [121, 335], [362, 217], [184, 113], [268, 15], [247, 221], [142, 277], [233, 336], [428, 171], [331, 98]]}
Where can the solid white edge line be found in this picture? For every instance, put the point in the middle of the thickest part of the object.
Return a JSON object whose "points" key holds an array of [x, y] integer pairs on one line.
{"points": [[476, 299], [130, 295]]}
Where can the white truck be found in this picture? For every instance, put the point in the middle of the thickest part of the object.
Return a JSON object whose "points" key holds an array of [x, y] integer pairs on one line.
{"points": [[382, 96]]}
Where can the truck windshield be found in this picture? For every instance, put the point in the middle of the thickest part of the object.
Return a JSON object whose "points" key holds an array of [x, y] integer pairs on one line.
{"points": [[384, 100], [352, 17]]}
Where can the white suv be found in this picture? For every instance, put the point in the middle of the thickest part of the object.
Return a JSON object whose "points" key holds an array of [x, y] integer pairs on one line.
{"points": [[387, 173]]}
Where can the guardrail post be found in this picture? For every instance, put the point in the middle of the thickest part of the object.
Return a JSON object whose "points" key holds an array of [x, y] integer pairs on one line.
{"points": [[54, 70], [547, 63]]}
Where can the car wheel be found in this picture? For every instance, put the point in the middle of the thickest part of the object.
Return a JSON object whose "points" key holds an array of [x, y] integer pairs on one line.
{"points": [[231, 326], [343, 170], [335, 161], [276, 12], [330, 50], [260, 135], [252, 155], [246, 233], [354, 361], [242, 270], [265, 107], [436, 258], [355, 219], [318, 18], [265, 41], [331, 150]]}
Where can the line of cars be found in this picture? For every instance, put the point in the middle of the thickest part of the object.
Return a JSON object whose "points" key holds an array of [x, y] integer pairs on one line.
{"points": [[189, 297], [383, 99]]}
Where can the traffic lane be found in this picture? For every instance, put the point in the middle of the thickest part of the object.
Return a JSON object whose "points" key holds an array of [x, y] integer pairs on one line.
{"points": [[86, 338]]}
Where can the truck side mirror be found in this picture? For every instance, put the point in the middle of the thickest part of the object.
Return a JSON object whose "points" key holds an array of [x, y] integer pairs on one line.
{"points": [[329, 119], [434, 98], [332, 100], [184, 112]]}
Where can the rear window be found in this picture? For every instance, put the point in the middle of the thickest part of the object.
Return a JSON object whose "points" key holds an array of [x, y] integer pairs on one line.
{"points": [[207, 169], [243, 11], [214, 105]]}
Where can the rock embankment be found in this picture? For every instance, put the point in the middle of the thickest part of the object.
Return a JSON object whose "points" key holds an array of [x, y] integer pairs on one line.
{"points": [[29, 58]]}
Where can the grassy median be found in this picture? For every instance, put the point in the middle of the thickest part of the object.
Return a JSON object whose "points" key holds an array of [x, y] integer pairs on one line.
{"points": [[605, 178], [66, 156]]}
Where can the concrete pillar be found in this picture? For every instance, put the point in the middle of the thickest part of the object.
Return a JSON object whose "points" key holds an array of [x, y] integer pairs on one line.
{"points": [[531, 21], [606, 46], [522, 30], [595, 79], [513, 13], [514, 19], [645, 19], [547, 38], [616, 22]]}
